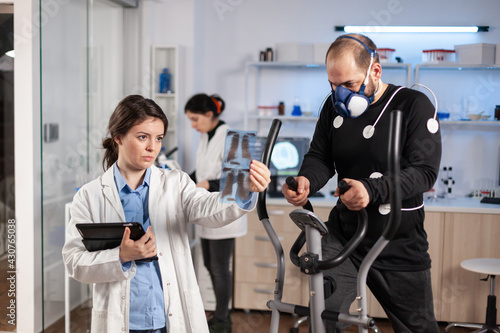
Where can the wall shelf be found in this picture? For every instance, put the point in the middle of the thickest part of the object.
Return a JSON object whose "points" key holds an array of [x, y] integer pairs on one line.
{"points": [[167, 56], [459, 67], [255, 68], [470, 122], [284, 118], [164, 95]]}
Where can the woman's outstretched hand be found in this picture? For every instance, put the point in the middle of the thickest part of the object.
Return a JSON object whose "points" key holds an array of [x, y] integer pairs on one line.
{"points": [[260, 176]]}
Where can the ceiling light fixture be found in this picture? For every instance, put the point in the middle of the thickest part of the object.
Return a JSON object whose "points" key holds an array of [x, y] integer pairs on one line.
{"points": [[409, 29], [10, 53]]}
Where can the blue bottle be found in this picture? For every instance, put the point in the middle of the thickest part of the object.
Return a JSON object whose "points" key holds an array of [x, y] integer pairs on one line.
{"points": [[165, 78]]}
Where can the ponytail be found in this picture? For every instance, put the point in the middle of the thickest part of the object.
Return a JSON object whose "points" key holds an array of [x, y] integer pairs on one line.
{"points": [[202, 103], [110, 153]]}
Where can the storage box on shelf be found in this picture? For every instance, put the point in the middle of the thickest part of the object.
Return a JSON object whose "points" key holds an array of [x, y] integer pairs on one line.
{"points": [[162, 57], [475, 54], [320, 50], [294, 52], [497, 54]]}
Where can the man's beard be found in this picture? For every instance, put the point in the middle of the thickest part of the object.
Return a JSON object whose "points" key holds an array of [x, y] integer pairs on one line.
{"points": [[370, 88]]}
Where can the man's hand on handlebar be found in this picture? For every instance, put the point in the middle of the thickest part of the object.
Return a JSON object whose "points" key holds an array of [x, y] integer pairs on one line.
{"points": [[356, 198], [298, 198]]}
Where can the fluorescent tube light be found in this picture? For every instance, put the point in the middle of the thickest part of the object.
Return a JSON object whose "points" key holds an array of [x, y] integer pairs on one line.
{"points": [[409, 29]]}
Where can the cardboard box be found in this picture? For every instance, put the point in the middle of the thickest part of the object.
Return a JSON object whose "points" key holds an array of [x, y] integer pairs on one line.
{"points": [[294, 52], [475, 54], [320, 50]]}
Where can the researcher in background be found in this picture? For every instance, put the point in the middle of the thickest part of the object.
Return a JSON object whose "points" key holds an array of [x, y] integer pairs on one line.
{"points": [[136, 296], [217, 244], [350, 140]]}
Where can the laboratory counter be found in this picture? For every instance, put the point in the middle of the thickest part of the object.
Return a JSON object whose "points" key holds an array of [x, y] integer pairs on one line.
{"points": [[450, 205], [457, 229]]}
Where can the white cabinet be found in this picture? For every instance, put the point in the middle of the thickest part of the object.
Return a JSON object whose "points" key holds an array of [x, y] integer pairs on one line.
{"points": [[167, 57], [268, 83]]}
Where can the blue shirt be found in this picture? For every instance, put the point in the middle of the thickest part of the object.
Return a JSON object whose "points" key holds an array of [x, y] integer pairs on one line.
{"points": [[147, 307]]}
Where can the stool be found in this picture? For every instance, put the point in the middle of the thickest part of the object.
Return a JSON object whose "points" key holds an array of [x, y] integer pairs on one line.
{"points": [[491, 267]]}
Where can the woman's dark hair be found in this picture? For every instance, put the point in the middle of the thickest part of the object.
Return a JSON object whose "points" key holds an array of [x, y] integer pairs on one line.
{"points": [[132, 110], [202, 103]]}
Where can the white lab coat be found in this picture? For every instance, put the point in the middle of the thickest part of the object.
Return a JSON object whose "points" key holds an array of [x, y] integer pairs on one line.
{"points": [[209, 156], [174, 200]]}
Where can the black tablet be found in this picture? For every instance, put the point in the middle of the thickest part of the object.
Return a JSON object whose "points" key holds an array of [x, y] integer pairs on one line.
{"points": [[103, 236], [112, 230]]}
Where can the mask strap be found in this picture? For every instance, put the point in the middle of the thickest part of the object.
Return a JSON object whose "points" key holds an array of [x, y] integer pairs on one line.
{"points": [[368, 70], [379, 88]]}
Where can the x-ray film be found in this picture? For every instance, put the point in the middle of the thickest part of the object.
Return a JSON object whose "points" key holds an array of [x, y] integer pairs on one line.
{"points": [[239, 150]]}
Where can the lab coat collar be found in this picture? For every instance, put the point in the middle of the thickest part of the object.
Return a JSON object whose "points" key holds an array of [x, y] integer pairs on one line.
{"points": [[111, 193]]}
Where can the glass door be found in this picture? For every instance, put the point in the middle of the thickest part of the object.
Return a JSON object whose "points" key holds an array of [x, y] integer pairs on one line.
{"points": [[7, 195], [81, 82]]}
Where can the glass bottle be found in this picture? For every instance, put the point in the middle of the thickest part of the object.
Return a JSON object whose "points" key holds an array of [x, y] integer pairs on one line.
{"points": [[281, 109]]}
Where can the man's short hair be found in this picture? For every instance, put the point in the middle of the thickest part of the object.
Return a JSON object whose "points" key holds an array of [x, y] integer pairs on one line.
{"points": [[342, 46]]}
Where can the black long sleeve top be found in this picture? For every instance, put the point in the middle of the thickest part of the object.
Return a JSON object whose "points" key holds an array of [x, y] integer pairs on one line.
{"points": [[338, 146]]}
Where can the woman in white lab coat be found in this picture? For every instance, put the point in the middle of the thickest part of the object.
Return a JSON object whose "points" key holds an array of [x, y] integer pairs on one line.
{"points": [[171, 200], [217, 244]]}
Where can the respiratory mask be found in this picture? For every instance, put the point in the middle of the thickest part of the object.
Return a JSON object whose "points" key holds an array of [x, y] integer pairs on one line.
{"points": [[350, 104]]}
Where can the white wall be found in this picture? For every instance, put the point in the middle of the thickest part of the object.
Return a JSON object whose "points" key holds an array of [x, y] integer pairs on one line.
{"points": [[229, 33], [169, 22], [27, 167]]}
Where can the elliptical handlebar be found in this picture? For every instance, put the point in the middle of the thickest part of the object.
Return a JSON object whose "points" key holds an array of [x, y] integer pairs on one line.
{"points": [[266, 159], [293, 185], [346, 251], [394, 152]]}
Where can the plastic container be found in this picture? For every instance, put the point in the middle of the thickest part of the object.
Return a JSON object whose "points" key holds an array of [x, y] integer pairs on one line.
{"points": [[443, 115], [267, 110], [165, 80], [386, 55], [438, 56], [476, 54]]}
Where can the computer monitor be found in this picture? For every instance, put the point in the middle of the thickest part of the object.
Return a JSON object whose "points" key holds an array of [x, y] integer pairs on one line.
{"points": [[286, 159]]}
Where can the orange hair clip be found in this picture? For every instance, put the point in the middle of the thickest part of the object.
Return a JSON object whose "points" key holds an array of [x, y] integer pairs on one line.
{"points": [[217, 104]]}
